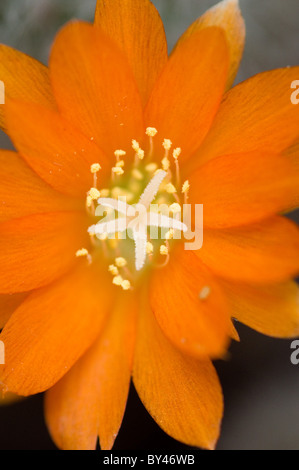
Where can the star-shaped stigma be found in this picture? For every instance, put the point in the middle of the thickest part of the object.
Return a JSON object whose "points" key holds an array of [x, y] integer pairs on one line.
{"points": [[138, 218]]}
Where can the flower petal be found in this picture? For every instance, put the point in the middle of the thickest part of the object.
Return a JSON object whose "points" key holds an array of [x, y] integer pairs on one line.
{"points": [[56, 151], [267, 252], [189, 91], [198, 326], [25, 79], [38, 249], [243, 188], [95, 87], [23, 193], [182, 395], [91, 398], [48, 333], [272, 310], [137, 29], [226, 15], [251, 114], [8, 304]]}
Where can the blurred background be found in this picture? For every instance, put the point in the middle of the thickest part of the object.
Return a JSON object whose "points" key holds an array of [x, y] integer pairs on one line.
{"points": [[261, 386]]}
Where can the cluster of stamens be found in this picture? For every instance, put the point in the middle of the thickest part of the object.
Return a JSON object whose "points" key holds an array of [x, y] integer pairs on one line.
{"points": [[153, 181]]}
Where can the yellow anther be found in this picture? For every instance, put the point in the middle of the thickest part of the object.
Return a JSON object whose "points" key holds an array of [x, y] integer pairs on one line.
{"points": [[117, 192], [137, 174], [117, 170], [149, 248], [135, 145], [89, 201], [119, 153], [186, 187], [170, 189], [140, 154], [95, 168], [151, 167], [113, 270], [175, 208], [82, 252], [169, 234], [151, 132], [165, 164], [176, 153], [120, 262], [164, 250], [117, 280], [120, 164], [94, 194], [105, 192], [167, 144], [205, 293], [126, 285]]}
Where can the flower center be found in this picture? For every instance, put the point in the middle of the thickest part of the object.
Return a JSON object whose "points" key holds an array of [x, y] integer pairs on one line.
{"points": [[139, 216]]}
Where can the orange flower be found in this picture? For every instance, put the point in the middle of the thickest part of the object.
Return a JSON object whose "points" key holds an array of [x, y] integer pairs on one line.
{"points": [[79, 318]]}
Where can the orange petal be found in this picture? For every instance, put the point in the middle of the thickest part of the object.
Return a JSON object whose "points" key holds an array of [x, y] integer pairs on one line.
{"points": [[95, 87], [226, 15], [272, 310], [198, 326], [57, 151], [243, 188], [188, 93], [24, 79], [91, 398], [137, 29], [182, 395], [293, 154], [36, 250], [262, 253], [48, 333], [8, 304], [256, 115], [23, 193]]}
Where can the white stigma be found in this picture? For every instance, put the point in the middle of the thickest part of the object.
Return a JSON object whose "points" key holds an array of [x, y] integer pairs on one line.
{"points": [[137, 218]]}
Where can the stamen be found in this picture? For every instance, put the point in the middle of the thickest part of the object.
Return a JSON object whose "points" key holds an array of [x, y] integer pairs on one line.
{"points": [[117, 171], [113, 270], [169, 235], [176, 153], [165, 164], [121, 262], [135, 145], [117, 280], [164, 250], [140, 154], [84, 253], [94, 194], [170, 188], [205, 293], [119, 153], [105, 192], [126, 285], [149, 248], [120, 164], [167, 144], [94, 169], [185, 190], [151, 132]]}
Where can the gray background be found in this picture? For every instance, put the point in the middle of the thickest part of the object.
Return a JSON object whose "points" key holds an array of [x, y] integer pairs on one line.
{"points": [[261, 386]]}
